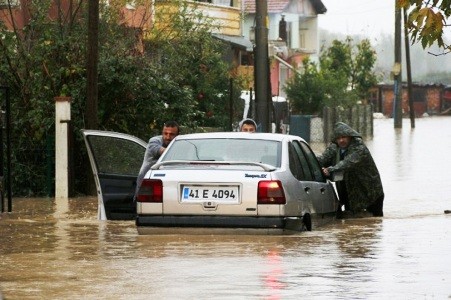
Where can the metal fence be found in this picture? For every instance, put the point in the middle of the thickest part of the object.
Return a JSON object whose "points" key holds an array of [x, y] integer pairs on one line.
{"points": [[317, 129]]}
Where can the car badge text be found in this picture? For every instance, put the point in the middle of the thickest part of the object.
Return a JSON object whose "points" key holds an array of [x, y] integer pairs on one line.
{"points": [[255, 176]]}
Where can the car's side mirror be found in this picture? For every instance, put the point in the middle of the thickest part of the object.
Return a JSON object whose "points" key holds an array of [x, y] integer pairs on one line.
{"points": [[336, 176]]}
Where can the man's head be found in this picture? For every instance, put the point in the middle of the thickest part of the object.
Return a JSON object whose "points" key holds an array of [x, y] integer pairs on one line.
{"points": [[170, 131], [343, 134], [248, 125], [343, 141]]}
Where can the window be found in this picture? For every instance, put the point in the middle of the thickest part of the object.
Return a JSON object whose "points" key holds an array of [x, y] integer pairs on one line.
{"points": [[419, 95], [222, 2], [295, 163], [313, 163], [218, 2], [222, 149], [303, 161], [125, 158]]}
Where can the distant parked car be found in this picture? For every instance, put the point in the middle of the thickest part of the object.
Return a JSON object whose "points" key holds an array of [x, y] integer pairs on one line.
{"points": [[227, 181]]}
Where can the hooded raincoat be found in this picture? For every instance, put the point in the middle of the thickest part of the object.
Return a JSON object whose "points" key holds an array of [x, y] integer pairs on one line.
{"points": [[247, 121], [361, 179]]}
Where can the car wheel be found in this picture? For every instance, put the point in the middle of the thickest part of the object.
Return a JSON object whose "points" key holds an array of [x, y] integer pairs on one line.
{"points": [[307, 222]]}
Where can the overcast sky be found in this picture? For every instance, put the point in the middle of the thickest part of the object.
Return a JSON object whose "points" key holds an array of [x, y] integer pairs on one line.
{"points": [[368, 17]]}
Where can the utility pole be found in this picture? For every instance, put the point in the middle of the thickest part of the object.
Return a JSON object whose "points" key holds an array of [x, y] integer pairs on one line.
{"points": [[92, 64], [409, 71], [5, 123], [397, 70], [261, 72], [92, 89]]}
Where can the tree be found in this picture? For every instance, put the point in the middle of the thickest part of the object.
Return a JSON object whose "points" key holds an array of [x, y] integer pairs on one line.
{"points": [[181, 75], [185, 51], [92, 63], [427, 21], [363, 76], [306, 90], [41, 60], [342, 78], [337, 68]]}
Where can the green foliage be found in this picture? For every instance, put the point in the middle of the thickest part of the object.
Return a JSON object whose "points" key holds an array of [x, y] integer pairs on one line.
{"points": [[427, 21], [343, 77], [38, 62], [338, 58], [181, 76], [363, 78], [188, 54], [306, 91]]}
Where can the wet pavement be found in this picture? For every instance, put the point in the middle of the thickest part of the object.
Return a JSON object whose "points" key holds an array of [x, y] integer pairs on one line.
{"points": [[54, 249]]}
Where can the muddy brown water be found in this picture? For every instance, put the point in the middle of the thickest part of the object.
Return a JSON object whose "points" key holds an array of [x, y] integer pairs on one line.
{"points": [[57, 249]]}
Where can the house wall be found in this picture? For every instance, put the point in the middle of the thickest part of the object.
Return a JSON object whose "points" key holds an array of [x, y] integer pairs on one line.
{"points": [[138, 17], [226, 19], [302, 38], [20, 18], [275, 76], [308, 32], [426, 99], [434, 99]]}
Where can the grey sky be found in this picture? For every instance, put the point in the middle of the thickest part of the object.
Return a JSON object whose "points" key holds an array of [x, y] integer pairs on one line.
{"points": [[367, 17]]}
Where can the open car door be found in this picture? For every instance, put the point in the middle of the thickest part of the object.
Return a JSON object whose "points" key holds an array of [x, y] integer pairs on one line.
{"points": [[115, 160]]}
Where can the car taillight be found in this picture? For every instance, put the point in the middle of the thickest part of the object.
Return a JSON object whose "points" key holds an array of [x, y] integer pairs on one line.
{"points": [[270, 192], [151, 190]]}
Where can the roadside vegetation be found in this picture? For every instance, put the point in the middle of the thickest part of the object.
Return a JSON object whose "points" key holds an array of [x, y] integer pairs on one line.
{"points": [[343, 77], [177, 73]]}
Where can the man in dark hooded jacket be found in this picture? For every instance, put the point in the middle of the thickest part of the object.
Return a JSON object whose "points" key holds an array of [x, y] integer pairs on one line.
{"points": [[361, 188]]}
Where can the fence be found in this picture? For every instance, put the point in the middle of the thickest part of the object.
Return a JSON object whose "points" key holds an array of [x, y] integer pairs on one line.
{"points": [[320, 129]]}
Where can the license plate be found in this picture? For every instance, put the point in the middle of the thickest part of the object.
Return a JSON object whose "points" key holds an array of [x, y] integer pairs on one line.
{"points": [[228, 194]]}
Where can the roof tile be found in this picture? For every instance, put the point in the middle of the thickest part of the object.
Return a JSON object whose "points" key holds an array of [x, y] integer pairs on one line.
{"points": [[274, 6]]}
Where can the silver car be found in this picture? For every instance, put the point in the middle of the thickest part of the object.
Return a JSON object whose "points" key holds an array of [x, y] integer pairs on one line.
{"points": [[222, 182]]}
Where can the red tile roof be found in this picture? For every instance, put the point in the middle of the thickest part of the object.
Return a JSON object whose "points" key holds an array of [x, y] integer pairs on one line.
{"points": [[274, 6], [278, 6]]}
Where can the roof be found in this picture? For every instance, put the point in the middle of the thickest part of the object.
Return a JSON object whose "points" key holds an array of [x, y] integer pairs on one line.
{"points": [[237, 41], [319, 6], [279, 6], [274, 6]]}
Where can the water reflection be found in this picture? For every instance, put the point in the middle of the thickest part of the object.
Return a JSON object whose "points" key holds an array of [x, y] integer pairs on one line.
{"points": [[59, 250]]}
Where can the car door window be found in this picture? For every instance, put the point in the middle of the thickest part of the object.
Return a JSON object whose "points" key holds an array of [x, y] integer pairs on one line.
{"points": [[303, 160], [125, 158], [313, 163], [295, 163]]}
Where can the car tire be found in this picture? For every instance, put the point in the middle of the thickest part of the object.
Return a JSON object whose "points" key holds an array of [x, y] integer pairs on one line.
{"points": [[307, 222]]}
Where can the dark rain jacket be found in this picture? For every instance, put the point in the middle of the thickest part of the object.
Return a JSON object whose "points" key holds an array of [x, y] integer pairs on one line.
{"points": [[361, 176]]}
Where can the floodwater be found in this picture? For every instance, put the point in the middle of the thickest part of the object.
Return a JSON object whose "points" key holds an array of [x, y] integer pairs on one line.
{"points": [[59, 250]]}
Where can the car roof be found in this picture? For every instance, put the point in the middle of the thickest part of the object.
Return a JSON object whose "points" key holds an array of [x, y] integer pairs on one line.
{"points": [[239, 135]]}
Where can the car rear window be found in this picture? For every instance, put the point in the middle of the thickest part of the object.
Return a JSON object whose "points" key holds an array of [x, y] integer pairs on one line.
{"points": [[262, 151]]}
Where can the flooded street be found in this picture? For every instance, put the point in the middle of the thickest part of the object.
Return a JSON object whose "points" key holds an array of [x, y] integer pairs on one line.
{"points": [[57, 250]]}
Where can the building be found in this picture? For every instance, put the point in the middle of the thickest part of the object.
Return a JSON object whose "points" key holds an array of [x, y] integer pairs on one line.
{"points": [[226, 20], [431, 99], [293, 36]]}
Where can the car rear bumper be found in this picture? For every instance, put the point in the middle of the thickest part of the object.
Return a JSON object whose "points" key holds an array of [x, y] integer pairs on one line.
{"points": [[211, 221], [148, 224]]}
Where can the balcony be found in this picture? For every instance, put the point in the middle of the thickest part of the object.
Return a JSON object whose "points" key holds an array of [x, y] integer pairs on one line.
{"points": [[226, 19]]}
